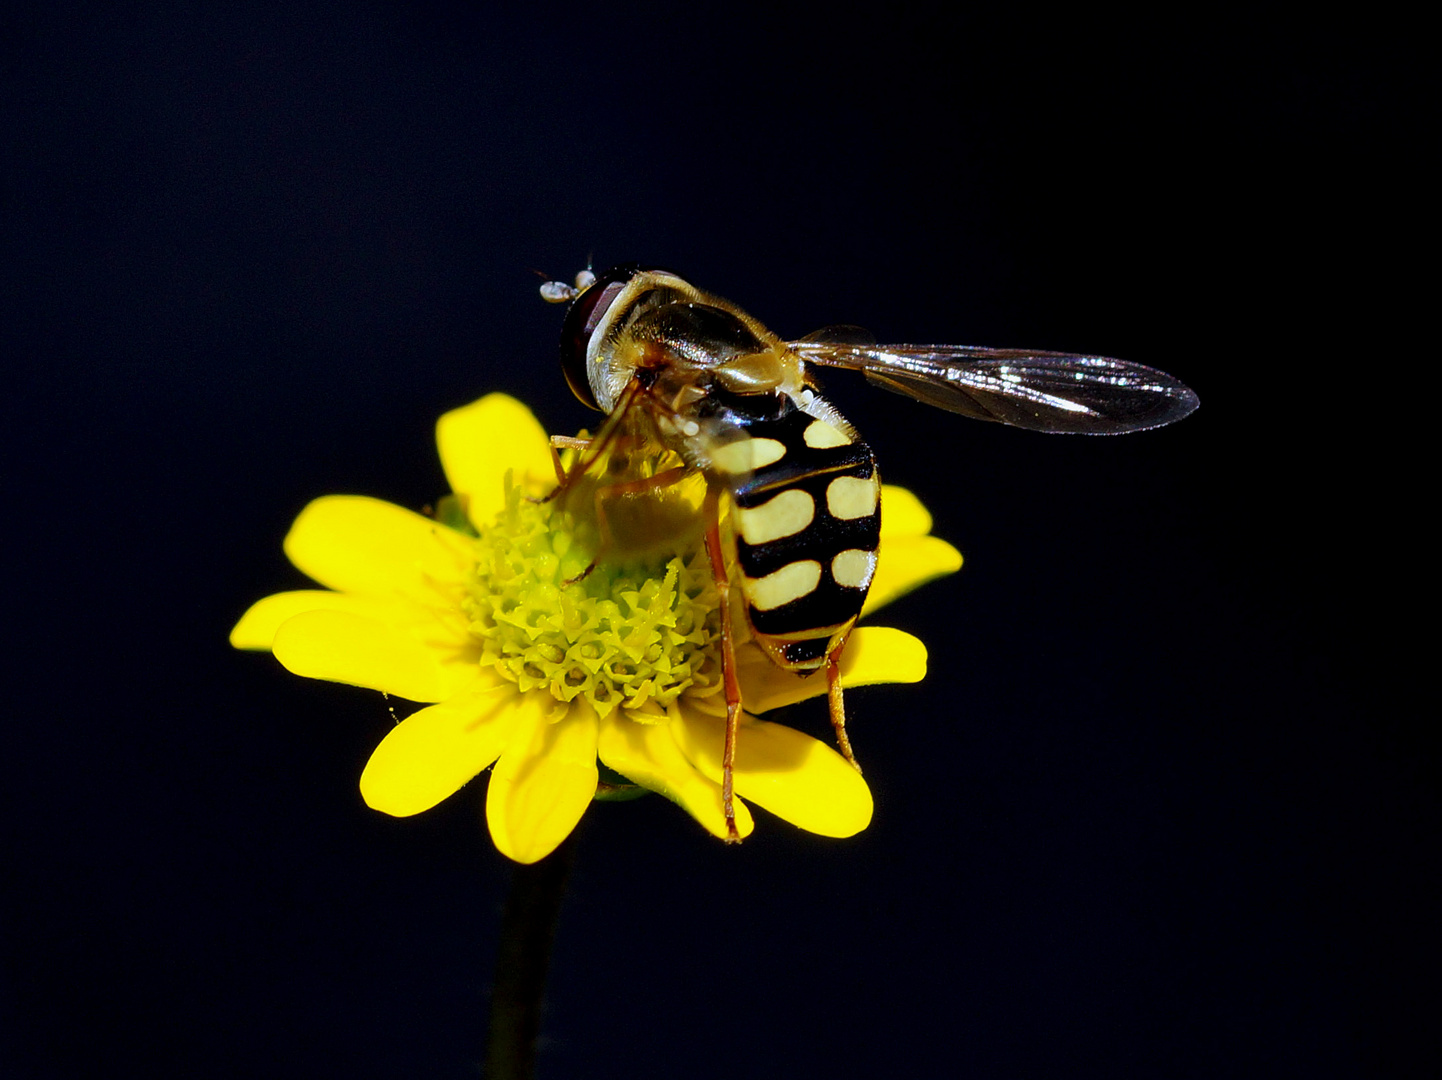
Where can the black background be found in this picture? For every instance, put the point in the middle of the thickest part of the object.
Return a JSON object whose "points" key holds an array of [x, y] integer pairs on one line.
{"points": [[1158, 810]]}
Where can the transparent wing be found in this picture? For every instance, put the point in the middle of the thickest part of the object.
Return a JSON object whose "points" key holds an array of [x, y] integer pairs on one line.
{"points": [[1040, 391]]}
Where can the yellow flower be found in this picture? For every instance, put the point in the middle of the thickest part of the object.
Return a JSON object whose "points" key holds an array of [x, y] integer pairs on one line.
{"points": [[542, 678]]}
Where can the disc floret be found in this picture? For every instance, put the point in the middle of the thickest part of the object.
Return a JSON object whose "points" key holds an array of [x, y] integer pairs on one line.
{"points": [[633, 634]]}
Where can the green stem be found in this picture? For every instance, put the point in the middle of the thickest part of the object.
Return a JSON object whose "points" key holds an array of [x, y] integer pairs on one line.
{"points": [[528, 929]]}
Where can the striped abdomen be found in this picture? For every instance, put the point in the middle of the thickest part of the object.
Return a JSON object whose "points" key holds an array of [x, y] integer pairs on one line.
{"points": [[806, 519]]}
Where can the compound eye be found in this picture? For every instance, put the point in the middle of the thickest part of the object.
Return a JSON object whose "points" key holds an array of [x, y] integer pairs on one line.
{"points": [[584, 317]]}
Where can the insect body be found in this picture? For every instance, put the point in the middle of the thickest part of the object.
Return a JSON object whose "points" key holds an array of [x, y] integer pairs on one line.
{"points": [[675, 366], [806, 519]]}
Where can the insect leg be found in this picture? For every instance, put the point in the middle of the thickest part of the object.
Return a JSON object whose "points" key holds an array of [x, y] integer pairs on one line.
{"points": [[728, 664], [567, 442], [598, 445], [833, 699], [663, 479], [626, 487], [606, 492]]}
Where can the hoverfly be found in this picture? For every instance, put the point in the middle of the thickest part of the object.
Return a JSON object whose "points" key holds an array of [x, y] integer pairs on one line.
{"points": [[673, 366]]}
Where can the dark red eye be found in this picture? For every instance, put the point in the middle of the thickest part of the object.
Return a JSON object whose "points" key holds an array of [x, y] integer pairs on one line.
{"points": [[586, 313]]}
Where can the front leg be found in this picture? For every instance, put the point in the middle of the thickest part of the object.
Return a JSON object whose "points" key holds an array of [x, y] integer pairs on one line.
{"points": [[564, 442], [591, 450]]}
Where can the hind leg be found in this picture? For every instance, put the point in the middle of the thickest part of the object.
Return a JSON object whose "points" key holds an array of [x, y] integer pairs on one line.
{"points": [[728, 669], [837, 707]]}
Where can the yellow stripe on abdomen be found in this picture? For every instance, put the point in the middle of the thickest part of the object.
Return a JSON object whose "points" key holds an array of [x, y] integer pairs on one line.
{"points": [[851, 497], [784, 515], [747, 455], [791, 582], [854, 568]]}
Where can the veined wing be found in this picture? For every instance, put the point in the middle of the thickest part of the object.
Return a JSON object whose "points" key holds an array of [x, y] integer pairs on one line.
{"points": [[1040, 391]]}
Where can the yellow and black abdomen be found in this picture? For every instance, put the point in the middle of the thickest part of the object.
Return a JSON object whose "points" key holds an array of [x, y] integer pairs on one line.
{"points": [[806, 521]]}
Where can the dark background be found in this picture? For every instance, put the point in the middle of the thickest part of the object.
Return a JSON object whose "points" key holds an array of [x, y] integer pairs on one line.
{"points": [[1160, 809]]}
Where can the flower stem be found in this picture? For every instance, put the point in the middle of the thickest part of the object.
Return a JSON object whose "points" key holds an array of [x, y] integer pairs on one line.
{"points": [[528, 929]]}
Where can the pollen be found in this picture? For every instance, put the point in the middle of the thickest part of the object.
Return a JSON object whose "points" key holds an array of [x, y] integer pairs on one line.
{"points": [[634, 634]]}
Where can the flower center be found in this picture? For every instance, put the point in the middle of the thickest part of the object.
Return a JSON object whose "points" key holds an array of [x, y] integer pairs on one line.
{"points": [[635, 632]]}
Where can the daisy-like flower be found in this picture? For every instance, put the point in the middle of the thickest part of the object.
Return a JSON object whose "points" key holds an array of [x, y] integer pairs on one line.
{"points": [[544, 677]]}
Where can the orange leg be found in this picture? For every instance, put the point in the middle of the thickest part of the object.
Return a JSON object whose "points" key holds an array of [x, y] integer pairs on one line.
{"points": [[570, 443], [600, 444], [838, 710], [728, 668], [629, 487], [663, 479]]}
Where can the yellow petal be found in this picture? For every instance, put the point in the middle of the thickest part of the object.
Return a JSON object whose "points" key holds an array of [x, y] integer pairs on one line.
{"points": [[874, 654], [480, 441], [791, 774], [431, 754], [902, 513], [906, 562], [342, 646], [648, 755], [352, 543], [257, 627], [544, 781]]}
